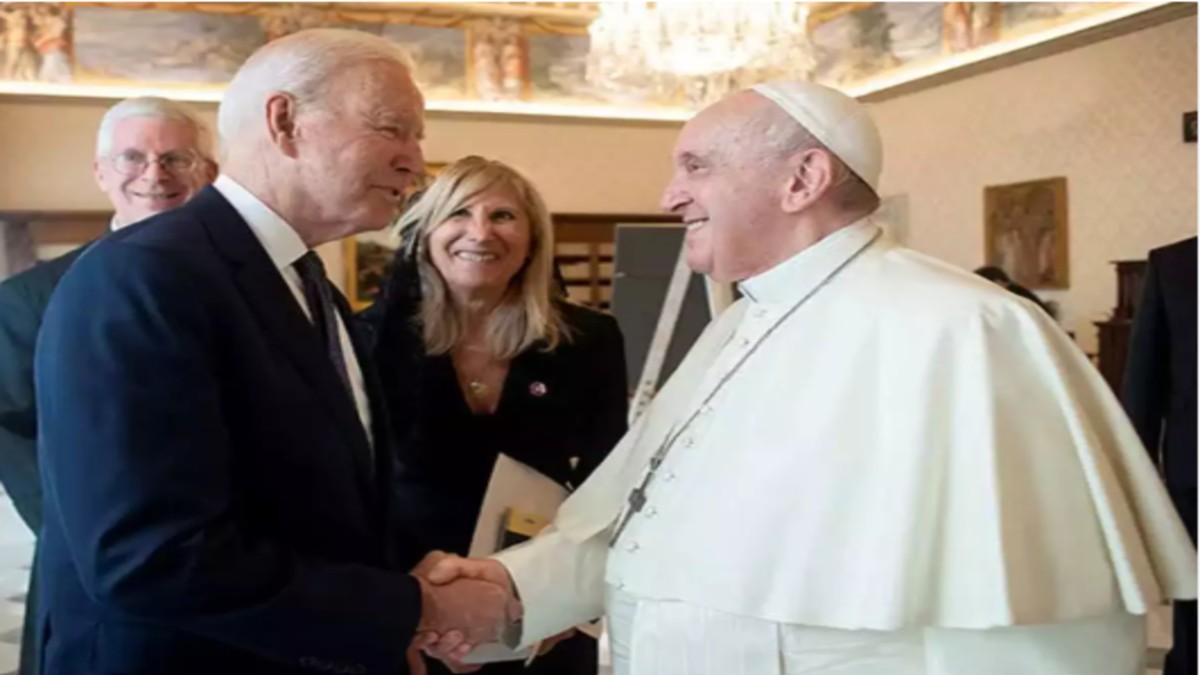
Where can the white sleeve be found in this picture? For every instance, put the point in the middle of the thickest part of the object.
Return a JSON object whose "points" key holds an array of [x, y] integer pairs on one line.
{"points": [[560, 573], [560, 581]]}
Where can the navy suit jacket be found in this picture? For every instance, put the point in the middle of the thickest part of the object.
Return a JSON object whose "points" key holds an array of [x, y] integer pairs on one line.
{"points": [[23, 300], [1159, 389], [211, 503]]}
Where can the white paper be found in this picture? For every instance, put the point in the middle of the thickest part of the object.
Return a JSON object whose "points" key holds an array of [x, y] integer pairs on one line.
{"points": [[513, 485]]}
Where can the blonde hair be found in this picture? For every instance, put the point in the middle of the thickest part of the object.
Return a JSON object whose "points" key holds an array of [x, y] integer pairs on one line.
{"points": [[526, 314]]}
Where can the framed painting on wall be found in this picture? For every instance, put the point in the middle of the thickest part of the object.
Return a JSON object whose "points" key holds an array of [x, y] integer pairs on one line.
{"points": [[368, 256], [1025, 231]]}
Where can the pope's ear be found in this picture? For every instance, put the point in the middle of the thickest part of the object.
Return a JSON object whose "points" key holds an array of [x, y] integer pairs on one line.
{"points": [[810, 174]]}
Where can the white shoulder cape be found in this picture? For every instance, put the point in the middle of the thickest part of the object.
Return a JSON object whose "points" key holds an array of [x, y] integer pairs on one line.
{"points": [[985, 474]]}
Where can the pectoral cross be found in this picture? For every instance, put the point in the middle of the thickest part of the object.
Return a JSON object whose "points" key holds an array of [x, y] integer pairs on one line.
{"points": [[637, 498]]}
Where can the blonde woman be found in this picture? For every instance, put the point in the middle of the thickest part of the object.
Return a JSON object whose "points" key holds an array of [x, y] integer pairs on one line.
{"points": [[479, 355]]}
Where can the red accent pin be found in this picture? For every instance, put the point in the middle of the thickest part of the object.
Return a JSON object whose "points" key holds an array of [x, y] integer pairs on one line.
{"points": [[537, 389]]}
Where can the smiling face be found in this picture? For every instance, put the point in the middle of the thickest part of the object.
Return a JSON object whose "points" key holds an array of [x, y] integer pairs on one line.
{"points": [[727, 192], [482, 246], [154, 165]]}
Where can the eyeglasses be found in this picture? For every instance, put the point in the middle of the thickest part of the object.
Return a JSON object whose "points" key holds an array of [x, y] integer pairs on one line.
{"points": [[132, 163]]}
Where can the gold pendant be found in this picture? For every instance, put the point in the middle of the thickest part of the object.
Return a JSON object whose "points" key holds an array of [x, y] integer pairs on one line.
{"points": [[477, 387]]}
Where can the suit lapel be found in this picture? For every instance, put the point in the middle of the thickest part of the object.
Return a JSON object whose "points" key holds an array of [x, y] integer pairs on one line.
{"points": [[281, 317]]}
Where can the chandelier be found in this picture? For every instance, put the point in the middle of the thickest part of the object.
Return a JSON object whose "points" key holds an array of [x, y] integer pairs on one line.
{"points": [[702, 50]]}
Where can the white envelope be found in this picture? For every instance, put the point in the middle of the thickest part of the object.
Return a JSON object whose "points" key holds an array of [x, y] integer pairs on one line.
{"points": [[513, 486]]}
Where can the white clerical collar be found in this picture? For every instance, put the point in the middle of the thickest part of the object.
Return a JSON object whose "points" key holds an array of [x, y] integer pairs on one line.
{"points": [[284, 246], [798, 274]]}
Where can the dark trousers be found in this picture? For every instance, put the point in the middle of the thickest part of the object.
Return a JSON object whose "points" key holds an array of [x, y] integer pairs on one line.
{"points": [[1181, 660]]}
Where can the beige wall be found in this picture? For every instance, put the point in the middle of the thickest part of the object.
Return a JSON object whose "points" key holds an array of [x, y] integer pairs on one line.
{"points": [[1106, 116], [581, 166]]}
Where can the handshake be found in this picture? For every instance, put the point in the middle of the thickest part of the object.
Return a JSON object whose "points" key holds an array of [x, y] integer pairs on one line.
{"points": [[464, 603]]}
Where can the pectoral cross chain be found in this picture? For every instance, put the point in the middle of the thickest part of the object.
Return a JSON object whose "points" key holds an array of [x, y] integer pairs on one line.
{"points": [[637, 498]]}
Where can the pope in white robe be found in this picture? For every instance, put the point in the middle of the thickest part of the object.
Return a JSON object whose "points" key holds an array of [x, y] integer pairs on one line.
{"points": [[873, 463]]}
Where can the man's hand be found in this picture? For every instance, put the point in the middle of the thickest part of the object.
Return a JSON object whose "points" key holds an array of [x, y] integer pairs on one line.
{"points": [[444, 570], [478, 610], [428, 563], [416, 663]]}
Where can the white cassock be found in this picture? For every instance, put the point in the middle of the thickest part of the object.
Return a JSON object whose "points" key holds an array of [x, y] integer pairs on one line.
{"points": [[911, 471]]}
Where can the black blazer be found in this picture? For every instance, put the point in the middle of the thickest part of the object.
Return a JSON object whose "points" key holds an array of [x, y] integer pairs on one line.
{"points": [[560, 412], [1159, 390], [23, 300], [210, 501]]}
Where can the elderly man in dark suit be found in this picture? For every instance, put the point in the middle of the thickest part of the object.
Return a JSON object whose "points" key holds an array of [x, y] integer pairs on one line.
{"points": [[1160, 397], [215, 459], [152, 155]]}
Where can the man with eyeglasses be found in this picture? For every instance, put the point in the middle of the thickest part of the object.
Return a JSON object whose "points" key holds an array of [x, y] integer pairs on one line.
{"points": [[152, 155]]}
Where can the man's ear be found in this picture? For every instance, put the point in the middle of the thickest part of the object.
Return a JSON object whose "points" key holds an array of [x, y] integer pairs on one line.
{"points": [[809, 175], [98, 174], [281, 121], [211, 170]]}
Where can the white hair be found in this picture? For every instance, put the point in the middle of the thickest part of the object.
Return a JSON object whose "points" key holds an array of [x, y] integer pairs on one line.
{"points": [[778, 136], [302, 64], [157, 108]]}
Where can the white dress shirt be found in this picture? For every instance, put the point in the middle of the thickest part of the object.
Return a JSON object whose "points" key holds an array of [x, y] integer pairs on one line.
{"points": [[284, 247]]}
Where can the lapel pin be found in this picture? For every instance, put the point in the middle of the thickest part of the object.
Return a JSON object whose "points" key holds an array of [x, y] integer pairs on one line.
{"points": [[537, 389]]}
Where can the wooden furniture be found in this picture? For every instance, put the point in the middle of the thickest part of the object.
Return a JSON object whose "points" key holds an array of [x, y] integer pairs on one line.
{"points": [[31, 236], [585, 249], [1114, 332]]}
